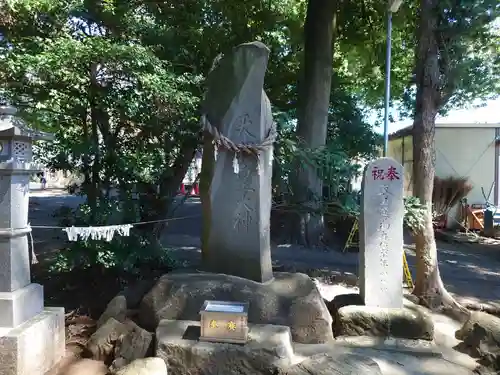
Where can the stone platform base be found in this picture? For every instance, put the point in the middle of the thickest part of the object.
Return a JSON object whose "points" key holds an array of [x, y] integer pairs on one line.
{"points": [[291, 299], [268, 350], [35, 346]]}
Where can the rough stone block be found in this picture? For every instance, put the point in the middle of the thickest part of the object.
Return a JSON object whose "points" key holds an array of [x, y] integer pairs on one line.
{"points": [[405, 322], [133, 345], [14, 262], [269, 350], [102, 343], [129, 299], [291, 299], [20, 305], [34, 347], [481, 339]]}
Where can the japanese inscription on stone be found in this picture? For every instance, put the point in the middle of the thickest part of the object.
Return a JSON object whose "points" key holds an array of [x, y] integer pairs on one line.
{"points": [[381, 234], [240, 189], [244, 167], [380, 174]]}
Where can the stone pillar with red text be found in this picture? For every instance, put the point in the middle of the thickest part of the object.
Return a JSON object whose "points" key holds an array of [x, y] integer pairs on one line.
{"points": [[381, 234]]}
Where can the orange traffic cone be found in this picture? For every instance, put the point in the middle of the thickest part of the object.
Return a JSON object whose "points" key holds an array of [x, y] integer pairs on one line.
{"points": [[183, 189]]}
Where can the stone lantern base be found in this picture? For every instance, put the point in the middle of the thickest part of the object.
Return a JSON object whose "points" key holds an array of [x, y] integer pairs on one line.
{"points": [[35, 346]]}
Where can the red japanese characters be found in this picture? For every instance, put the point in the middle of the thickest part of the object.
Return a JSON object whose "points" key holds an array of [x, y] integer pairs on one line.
{"points": [[381, 174]]}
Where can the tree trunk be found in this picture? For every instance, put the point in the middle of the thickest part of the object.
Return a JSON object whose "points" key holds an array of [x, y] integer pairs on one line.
{"points": [[314, 101], [428, 284], [87, 183], [170, 181], [94, 192]]}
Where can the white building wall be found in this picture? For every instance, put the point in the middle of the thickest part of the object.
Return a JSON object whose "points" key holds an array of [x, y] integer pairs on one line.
{"points": [[462, 150], [467, 152], [395, 150]]}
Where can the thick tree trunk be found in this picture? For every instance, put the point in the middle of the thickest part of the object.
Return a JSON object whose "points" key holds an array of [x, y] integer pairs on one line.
{"points": [[314, 101], [428, 284]]}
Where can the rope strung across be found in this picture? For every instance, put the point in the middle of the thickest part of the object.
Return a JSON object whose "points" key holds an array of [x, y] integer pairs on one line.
{"points": [[99, 226], [239, 148]]}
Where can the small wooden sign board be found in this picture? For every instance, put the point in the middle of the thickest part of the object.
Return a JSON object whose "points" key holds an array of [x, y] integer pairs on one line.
{"points": [[223, 321]]}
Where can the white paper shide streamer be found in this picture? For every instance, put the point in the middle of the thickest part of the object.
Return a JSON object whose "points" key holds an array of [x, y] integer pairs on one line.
{"points": [[236, 164], [105, 233]]}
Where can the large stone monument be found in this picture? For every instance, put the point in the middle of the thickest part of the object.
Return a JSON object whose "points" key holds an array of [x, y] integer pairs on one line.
{"points": [[381, 234], [31, 337], [237, 113]]}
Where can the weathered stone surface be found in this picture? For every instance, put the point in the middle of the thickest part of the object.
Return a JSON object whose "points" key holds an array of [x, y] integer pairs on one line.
{"points": [[240, 190], [414, 347], [487, 321], [85, 366], [35, 346], [342, 364], [268, 351], [342, 300], [481, 339], [290, 300], [102, 343], [381, 234], [116, 309], [483, 370], [378, 321], [144, 366], [133, 345], [130, 298], [409, 322]]}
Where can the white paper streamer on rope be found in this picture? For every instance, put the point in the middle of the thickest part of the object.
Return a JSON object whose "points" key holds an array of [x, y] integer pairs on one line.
{"points": [[236, 164], [105, 233]]}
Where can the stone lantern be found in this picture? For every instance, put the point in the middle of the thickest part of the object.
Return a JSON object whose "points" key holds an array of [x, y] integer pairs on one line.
{"points": [[31, 336]]}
